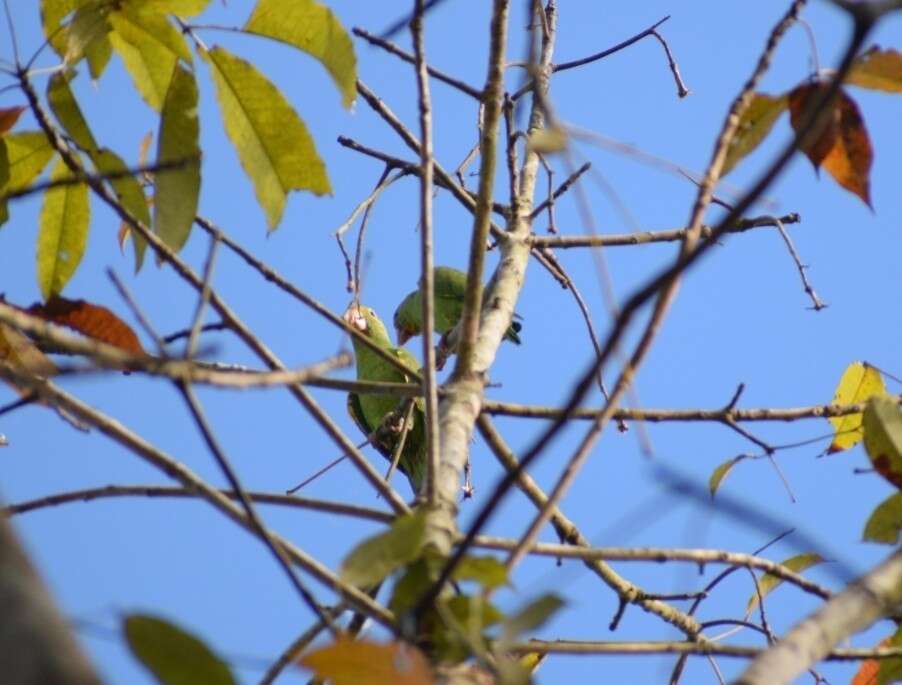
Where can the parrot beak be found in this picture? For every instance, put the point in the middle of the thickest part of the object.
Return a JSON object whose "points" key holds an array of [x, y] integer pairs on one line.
{"points": [[403, 336], [355, 319]]}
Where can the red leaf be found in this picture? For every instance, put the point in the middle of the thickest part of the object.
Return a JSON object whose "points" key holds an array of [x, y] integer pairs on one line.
{"points": [[841, 145], [8, 117], [91, 320]]}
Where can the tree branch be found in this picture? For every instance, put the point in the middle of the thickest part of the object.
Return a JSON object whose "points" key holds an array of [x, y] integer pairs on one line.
{"points": [[870, 598]]}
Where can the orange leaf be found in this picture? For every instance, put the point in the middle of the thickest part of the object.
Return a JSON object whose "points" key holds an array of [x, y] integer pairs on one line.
{"points": [[878, 70], [822, 139], [841, 145], [870, 668], [8, 117], [350, 662], [91, 320]]}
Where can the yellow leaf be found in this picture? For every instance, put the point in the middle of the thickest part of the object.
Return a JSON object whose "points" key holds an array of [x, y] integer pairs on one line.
{"points": [[548, 140], [149, 52], [313, 28], [885, 522], [768, 583], [88, 25], [882, 426], [718, 474], [755, 124], [859, 382], [349, 662], [175, 199], [273, 144], [182, 8], [98, 53], [28, 153], [878, 70], [62, 233]]}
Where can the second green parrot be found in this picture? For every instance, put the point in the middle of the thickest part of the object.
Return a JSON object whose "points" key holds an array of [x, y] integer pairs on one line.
{"points": [[450, 287], [369, 411]]}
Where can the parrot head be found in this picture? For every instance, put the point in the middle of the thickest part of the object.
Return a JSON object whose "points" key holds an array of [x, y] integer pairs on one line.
{"points": [[407, 318], [365, 320]]}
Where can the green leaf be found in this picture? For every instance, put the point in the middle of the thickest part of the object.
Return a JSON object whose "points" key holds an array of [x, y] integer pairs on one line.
{"points": [[474, 612], [129, 192], [376, 557], [530, 617], [67, 111], [272, 142], [858, 383], [487, 571], [174, 656], [718, 474], [150, 47], [890, 669], [882, 425], [29, 152], [768, 583], [877, 70], [62, 233], [175, 200], [885, 521], [473, 615], [754, 125], [313, 28]]}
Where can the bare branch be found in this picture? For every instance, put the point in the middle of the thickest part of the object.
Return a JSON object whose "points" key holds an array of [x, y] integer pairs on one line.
{"points": [[153, 491], [427, 275]]}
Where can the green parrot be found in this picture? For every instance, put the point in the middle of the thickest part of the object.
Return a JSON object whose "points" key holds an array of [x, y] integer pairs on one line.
{"points": [[368, 411], [450, 286]]}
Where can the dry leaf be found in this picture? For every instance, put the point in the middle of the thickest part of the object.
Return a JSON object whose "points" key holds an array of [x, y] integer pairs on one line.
{"points": [[91, 320], [8, 117], [350, 662], [877, 70], [840, 145]]}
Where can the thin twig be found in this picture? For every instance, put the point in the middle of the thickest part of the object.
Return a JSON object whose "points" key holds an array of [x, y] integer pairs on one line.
{"points": [[427, 274], [817, 304], [255, 521], [81, 176], [407, 57], [204, 297], [189, 480], [561, 189], [646, 237], [154, 491], [682, 90], [225, 312], [564, 66], [136, 310]]}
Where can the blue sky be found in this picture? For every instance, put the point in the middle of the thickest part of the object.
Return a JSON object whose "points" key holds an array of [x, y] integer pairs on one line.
{"points": [[741, 317]]}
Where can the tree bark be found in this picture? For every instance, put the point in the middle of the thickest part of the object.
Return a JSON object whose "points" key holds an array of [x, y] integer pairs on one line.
{"points": [[36, 643]]}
